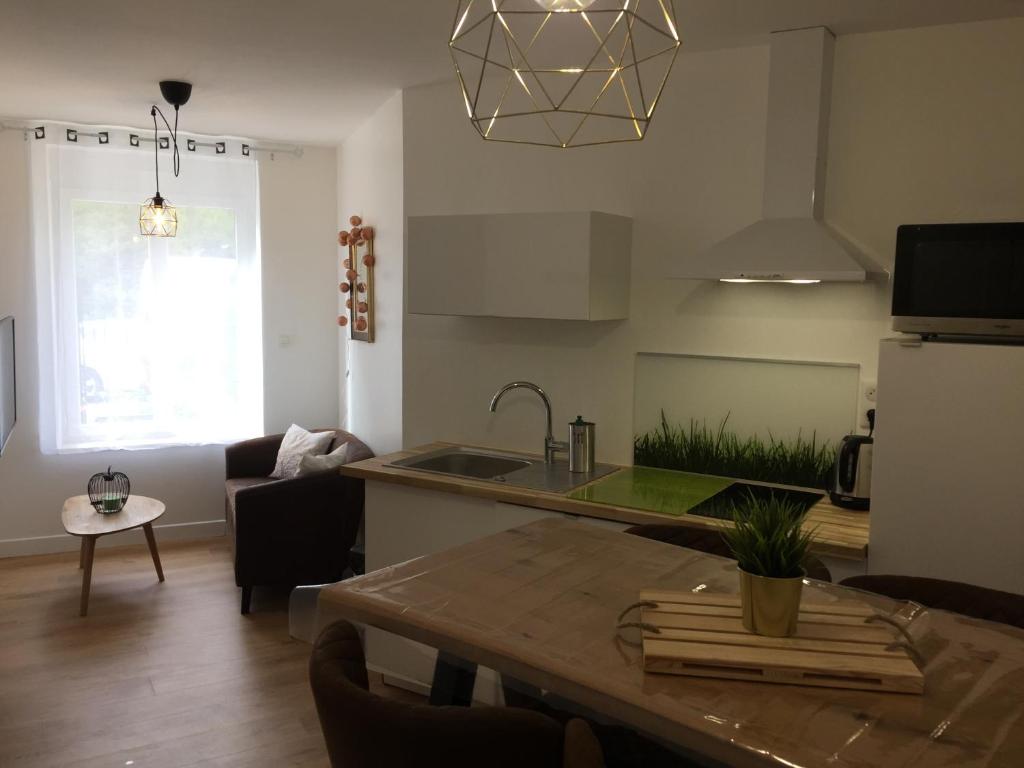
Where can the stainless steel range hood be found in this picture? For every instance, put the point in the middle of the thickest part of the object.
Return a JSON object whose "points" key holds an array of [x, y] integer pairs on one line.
{"points": [[791, 242]]}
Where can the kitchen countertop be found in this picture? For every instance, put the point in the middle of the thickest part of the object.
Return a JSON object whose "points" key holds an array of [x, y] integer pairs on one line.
{"points": [[839, 532]]}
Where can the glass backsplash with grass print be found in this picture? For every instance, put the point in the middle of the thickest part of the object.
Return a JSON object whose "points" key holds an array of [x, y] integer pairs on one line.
{"points": [[699, 448]]}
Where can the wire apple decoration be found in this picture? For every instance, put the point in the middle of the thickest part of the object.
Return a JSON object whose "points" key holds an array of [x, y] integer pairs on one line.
{"points": [[109, 491]]}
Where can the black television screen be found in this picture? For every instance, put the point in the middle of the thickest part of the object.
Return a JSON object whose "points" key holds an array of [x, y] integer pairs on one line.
{"points": [[8, 399]]}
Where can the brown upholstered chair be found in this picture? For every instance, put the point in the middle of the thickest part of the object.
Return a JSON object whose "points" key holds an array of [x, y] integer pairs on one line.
{"points": [[954, 596], [363, 730], [622, 747], [712, 543], [289, 532]]}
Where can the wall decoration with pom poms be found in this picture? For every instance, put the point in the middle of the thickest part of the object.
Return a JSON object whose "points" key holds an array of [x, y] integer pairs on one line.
{"points": [[358, 283]]}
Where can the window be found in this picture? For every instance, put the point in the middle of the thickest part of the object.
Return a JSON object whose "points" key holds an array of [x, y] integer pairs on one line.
{"points": [[146, 341]]}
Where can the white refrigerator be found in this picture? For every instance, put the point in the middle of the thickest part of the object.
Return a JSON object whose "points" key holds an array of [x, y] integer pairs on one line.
{"points": [[947, 491]]}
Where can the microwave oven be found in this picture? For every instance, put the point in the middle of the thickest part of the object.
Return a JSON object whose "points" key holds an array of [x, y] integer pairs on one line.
{"points": [[959, 279]]}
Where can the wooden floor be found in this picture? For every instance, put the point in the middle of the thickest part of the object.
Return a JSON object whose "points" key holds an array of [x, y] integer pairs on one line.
{"points": [[157, 674]]}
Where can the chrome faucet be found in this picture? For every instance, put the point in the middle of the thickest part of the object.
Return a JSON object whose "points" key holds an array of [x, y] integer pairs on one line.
{"points": [[551, 446]]}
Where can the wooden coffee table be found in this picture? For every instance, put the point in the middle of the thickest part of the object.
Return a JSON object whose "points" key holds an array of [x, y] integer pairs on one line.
{"points": [[81, 519]]}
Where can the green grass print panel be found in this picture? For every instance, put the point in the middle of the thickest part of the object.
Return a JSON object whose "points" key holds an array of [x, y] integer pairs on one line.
{"points": [[652, 490], [719, 451]]}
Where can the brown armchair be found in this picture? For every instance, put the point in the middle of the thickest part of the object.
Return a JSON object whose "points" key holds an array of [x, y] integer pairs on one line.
{"points": [[364, 730], [289, 532]]}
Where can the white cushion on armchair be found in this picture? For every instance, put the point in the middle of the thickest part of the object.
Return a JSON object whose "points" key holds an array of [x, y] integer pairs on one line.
{"points": [[297, 443], [311, 465]]}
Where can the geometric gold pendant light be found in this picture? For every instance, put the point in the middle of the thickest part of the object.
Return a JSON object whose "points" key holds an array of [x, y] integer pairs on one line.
{"points": [[563, 73]]}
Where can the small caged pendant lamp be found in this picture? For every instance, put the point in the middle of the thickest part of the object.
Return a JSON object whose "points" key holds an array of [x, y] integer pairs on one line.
{"points": [[157, 217]]}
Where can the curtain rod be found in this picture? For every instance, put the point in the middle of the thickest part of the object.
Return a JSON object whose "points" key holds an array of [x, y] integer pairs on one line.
{"points": [[37, 130]]}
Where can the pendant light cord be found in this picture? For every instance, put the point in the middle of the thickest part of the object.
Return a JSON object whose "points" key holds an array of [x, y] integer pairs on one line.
{"points": [[156, 143], [156, 150]]}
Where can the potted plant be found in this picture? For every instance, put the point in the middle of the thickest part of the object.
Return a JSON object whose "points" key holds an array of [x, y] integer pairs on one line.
{"points": [[768, 541]]}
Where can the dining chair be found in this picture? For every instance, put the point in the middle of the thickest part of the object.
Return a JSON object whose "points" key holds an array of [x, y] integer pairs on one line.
{"points": [[954, 596], [711, 542], [363, 730]]}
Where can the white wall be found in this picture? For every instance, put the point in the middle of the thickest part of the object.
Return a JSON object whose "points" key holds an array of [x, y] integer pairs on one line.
{"points": [[696, 178], [370, 185], [926, 126], [298, 203], [298, 200]]}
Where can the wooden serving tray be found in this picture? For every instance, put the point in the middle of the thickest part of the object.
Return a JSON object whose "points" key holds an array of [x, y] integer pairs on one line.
{"points": [[702, 635]]}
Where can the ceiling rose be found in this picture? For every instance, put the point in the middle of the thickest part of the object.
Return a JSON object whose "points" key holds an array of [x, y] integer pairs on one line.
{"points": [[563, 73]]}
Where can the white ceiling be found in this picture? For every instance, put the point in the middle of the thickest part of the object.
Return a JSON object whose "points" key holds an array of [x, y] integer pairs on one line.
{"points": [[311, 70]]}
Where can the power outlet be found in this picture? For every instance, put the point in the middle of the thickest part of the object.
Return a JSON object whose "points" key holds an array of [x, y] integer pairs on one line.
{"points": [[868, 398]]}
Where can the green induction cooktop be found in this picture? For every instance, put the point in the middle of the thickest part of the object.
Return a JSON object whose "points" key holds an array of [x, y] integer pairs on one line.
{"points": [[654, 490]]}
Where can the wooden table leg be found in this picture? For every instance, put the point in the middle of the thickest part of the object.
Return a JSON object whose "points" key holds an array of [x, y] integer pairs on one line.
{"points": [[81, 555], [88, 550], [151, 540]]}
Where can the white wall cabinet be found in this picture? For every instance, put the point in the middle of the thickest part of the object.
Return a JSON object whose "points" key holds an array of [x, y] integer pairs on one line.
{"points": [[560, 266]]}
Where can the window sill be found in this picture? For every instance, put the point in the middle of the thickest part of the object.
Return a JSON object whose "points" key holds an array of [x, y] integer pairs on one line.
{"points": [[146, 445]]}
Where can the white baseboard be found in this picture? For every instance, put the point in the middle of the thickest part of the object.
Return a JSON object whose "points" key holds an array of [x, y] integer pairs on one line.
{"points": [[44, 545]]}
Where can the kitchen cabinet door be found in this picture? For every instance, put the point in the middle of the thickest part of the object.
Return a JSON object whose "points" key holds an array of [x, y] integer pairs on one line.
{"points": [[553, 265]]}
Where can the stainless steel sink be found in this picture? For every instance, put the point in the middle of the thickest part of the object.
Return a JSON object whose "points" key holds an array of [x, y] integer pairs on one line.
{"points": [[463, 463], [514, 470]]}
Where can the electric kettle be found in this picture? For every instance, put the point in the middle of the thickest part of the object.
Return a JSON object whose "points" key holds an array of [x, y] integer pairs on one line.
{"points": [[851, 487]]}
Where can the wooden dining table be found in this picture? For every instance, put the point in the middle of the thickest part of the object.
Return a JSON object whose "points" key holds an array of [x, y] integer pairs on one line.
{"points": [[540, 604]]}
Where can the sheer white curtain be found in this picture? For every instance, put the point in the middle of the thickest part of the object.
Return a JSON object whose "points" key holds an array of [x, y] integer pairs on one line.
{"points": [[145, 341]]}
